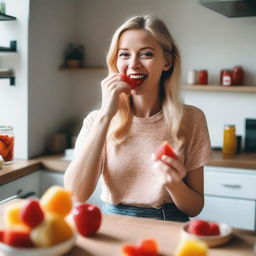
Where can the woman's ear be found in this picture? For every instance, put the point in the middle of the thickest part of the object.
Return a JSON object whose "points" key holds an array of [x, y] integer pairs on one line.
{"points": [[168, 63]]}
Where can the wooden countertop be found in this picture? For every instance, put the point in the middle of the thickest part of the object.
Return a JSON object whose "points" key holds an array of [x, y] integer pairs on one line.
{"points": [[55, 163], [117, 230]]}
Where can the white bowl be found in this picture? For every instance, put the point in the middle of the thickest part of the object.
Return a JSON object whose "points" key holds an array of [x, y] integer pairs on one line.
{"points": [[56, 250], [211, 241]]}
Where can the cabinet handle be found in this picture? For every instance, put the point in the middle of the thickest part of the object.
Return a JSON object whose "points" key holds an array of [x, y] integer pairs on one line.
{"points": [[18, 195], [231, 185]]}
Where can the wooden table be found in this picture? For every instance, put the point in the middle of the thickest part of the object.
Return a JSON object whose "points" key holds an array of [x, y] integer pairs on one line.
{"points": [[117, 230]]}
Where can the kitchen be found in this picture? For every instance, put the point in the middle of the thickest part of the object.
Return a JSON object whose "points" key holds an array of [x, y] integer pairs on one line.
{"points": [[45, 98]]}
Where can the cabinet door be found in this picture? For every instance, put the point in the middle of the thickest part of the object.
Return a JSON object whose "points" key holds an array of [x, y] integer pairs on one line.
{"points": [[28, 183], [50, 178], [235, 212]]}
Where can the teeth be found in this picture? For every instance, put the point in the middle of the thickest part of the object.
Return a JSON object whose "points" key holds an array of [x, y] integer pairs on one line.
{"points": [[137, 76]]}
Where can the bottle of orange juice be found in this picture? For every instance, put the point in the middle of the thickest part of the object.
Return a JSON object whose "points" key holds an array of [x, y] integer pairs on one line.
{"points": [[229, 140]]}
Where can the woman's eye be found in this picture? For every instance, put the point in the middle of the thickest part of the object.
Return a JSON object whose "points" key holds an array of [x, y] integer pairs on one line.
{"points": [[147, 54], [124, 54]]}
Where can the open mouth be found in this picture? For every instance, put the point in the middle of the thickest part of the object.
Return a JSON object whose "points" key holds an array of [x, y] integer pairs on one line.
{"points": [[137, 79]]}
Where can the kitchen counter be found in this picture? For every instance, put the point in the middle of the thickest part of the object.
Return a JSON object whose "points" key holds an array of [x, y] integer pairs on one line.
{"points": [[117, 230], [55, 163]]}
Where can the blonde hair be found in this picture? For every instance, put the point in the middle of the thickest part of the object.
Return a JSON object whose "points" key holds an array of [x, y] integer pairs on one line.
{"points": [[172, 105]]}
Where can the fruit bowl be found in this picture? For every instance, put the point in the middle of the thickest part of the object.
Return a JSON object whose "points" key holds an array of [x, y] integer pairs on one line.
{"points": [[56, 250], [213, 240]]}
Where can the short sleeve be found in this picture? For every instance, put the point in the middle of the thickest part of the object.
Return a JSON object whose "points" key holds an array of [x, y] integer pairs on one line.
{"points": [[87, 125], [198, 146]]}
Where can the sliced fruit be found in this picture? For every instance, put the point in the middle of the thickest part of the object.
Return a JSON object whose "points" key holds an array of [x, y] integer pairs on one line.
{"points": [[128, 80], [53, 230], [31, 213], [12, 215], [57, 200], [165, 149], [191, 248], [18, 238]]}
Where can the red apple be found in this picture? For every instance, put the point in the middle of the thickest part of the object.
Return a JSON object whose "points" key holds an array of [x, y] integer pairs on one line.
{"points": [[214, 229], [31, 213], [87, 218], [199, 227]]}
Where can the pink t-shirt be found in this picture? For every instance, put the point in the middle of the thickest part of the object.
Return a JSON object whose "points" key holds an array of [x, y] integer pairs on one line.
{"points": [[127, 169]]}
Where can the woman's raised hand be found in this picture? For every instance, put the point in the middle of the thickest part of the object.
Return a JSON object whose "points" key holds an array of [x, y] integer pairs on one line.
{"points": [[112, 86]]}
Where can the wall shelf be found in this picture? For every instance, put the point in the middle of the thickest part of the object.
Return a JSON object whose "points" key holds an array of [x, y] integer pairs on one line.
{"points": [[12, 48], [12, 79], [4, 17], [220, 88]]}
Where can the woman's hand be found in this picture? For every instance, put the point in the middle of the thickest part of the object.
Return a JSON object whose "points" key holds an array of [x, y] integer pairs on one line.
{"points": [[172, 171], [112, 86]]}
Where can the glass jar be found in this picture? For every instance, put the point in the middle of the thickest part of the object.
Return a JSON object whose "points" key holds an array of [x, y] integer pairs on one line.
{"points": [[203, 77], [7, 143], [227, 78], [237, 75], [229, 139], [192, 77]]}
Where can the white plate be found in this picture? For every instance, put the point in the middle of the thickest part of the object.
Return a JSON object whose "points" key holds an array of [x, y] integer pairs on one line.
{"points": [[56, 250], [211, 241]]}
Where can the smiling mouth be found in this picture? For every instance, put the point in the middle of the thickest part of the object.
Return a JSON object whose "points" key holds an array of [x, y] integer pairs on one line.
{"points": [[137, 79]]}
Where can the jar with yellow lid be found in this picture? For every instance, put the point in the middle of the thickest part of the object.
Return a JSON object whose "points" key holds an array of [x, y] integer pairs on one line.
{"points": [[229, 140], [7, 143]]}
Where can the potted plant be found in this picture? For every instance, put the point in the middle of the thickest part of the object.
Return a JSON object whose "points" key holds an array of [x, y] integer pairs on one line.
{"points": [[74, 57]]}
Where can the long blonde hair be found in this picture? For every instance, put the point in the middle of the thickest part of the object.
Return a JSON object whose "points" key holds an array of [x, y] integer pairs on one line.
{"points": [[172, 105]]}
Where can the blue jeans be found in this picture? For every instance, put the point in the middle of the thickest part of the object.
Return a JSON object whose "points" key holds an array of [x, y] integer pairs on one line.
{"points": [[167, 211]]}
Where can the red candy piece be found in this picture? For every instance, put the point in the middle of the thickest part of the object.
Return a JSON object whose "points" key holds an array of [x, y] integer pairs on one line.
{"points": [[214, 229], [147, 247], [18, 238], [87, 218], [199, 227], [165, 149], [31, 213]]}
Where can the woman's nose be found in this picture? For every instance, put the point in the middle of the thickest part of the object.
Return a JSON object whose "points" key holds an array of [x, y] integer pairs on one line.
{"points": [[134, 62]]}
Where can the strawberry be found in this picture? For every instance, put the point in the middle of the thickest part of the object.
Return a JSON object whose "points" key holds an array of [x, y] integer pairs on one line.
{"points": [[31, 213], [165, 149], [199, 227], [214, 229]]}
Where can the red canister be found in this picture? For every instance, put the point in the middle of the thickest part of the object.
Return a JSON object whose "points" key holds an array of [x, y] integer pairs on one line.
{"points": [[227, 78], [202, 77], [237, 75]]}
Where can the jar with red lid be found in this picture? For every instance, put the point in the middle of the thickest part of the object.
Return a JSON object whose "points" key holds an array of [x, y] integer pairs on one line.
{"points": [[203, 77], [227, 78], [237, 75]]}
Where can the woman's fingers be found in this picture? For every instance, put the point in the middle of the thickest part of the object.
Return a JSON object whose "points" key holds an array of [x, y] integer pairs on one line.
{"points": [[175, 164]]}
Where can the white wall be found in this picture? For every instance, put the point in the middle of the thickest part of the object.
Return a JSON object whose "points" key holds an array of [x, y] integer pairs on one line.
{"points": [[207, 40], [52, 26], [13, 99]]}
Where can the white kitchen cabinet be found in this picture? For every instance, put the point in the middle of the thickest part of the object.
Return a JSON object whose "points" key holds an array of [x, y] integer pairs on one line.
{"points": [[230, 196], [50, 178], [28, 183]]}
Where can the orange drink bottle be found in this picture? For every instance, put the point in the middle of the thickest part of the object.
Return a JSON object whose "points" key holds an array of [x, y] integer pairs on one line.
{"points": [[229, 140]]}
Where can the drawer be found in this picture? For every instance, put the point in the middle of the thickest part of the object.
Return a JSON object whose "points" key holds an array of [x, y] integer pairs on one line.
{"points": [[236, 212], [238, 185]]}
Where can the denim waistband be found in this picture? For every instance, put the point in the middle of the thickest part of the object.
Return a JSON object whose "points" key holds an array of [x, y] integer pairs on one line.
{"points": [[167, 211]]}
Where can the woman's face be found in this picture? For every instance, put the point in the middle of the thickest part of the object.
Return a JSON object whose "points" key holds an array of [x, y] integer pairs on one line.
{"points": [[141, 58]]}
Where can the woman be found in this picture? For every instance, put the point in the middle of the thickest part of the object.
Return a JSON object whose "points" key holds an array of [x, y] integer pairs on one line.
{"points": [[117, 141]]}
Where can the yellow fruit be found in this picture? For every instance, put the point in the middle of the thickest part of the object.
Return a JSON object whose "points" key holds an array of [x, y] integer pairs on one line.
{"points": [[53, 230], [12, 215], [57, 200], [192, 248]]}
